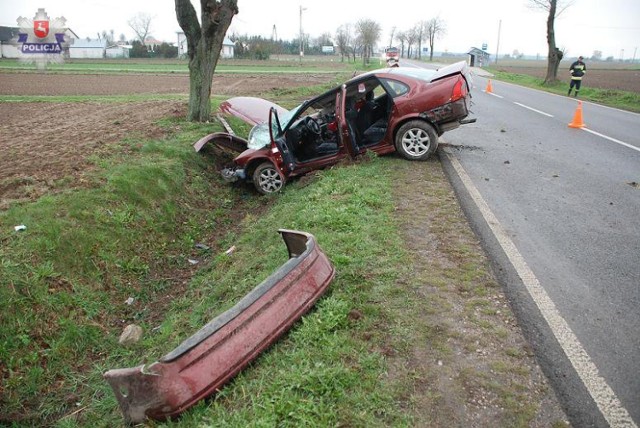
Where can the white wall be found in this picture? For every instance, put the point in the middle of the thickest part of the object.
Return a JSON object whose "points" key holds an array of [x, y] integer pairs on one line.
{"points": [[9, 51], [86, 52]]}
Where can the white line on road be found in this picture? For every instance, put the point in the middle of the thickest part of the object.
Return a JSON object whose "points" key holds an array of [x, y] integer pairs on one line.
{"points": [[495, 95], [532, 109], [622, 143], [604, 397]]}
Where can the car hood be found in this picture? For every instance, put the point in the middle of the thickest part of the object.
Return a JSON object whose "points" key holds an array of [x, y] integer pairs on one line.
{"points": [[254, 111], [251, 110]]}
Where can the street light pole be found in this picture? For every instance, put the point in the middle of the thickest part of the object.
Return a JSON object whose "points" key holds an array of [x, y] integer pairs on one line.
{"points": [[498, 44], [301, 42]]}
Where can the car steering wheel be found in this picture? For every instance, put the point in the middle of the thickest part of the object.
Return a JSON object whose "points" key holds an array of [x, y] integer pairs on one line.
{"points": [[312, 125]]}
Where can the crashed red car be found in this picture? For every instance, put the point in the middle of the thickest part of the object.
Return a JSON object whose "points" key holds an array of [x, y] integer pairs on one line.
{"points": [[392, 109]]}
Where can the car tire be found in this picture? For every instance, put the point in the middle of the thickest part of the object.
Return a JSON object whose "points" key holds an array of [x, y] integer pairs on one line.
{"points": [[267, 179], [416, 140]]}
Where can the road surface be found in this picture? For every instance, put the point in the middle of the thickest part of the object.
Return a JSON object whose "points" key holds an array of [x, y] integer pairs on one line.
{"points": [[558, 209]]}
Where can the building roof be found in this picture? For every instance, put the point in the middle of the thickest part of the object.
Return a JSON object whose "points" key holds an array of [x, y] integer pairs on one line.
{"points": [[476, 51], [120, 47], [8, 33]]}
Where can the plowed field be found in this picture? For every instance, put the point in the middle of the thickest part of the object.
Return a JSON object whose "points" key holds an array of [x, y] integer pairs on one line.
{"points": [[43, 142]]}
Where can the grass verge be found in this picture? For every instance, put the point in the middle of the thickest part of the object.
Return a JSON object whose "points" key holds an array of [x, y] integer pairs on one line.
{"points": [[375, 351], [624, 100]]}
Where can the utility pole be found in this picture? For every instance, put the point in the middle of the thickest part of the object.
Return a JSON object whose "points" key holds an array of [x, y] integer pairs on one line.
{"points": [[274, 41], [301, 42], [498, 44]]}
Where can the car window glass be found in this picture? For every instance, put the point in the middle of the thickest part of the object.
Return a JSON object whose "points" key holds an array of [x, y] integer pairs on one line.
{"points": [[395, 87]]}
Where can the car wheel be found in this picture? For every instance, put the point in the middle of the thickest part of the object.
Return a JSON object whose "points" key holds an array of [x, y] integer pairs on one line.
{"points": [[267, 179], [416, 140]]}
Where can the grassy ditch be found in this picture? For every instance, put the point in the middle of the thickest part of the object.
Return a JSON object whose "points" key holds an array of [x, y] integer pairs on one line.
{"points": [[413, 330], [624, 100]]}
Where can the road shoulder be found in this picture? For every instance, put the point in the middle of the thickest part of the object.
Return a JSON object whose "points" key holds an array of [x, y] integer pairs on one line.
{"points": [[467, 355]]}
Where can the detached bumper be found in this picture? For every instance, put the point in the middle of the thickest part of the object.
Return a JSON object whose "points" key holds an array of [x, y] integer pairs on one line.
{"points": [[203, 363]]}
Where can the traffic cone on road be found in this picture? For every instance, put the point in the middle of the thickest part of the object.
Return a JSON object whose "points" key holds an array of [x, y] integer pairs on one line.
{"points": [[489, 89], [577, 118]]}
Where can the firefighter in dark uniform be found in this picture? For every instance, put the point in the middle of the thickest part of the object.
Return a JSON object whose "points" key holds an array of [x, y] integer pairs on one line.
{"points": [[577, 70]]}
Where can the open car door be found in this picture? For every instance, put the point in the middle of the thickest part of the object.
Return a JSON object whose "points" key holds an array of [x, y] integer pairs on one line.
{"points": [[278, 142], [346, 116]]}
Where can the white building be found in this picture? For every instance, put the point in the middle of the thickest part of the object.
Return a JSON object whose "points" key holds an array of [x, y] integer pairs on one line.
{"points": [[86, 48], [228, 47], [118, 51]]}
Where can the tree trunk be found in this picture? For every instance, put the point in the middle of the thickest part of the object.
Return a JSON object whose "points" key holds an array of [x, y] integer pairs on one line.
{"points": [[431, 42], [555, 54], [204, 43]]}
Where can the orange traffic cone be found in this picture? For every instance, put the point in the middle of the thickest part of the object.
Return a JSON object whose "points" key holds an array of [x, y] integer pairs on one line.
{"points": [[489, 89], [577, 117]]}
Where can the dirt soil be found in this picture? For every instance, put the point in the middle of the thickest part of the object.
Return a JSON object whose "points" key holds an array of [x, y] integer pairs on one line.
{"points": [[43, 144], [624, 80], [476, 368]]}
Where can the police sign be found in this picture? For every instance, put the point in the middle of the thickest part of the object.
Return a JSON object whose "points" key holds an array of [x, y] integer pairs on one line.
{"points": [[41, 40]]}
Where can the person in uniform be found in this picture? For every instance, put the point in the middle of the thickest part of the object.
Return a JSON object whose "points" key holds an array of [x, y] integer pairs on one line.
{"points": [[577, 70]]}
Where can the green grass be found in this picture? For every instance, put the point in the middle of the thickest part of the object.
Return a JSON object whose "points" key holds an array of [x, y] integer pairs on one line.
{"points": [[131, 231], [624, 100], [129, 234]]}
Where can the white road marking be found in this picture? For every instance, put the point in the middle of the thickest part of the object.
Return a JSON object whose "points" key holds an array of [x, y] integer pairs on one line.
{"points": [[495, 95], [622, 143], [532, 109], [602, 394]]}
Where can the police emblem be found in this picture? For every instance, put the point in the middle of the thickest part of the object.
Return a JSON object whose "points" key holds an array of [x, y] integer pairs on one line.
{"points": [[41, 29], [41, 40]]}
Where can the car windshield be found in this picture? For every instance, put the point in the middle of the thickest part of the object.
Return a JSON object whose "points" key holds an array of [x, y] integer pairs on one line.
{"points": [[259, 136]]}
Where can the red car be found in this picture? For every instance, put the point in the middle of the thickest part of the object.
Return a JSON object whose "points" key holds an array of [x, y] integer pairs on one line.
{"points": [[386, 110]]}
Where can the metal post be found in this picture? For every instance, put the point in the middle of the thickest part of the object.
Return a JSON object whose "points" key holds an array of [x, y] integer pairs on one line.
{"points": [[301, 42], [498, 44]]}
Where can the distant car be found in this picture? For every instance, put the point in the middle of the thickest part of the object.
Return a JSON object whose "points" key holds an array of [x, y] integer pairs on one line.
{"points": [[386, 110]]}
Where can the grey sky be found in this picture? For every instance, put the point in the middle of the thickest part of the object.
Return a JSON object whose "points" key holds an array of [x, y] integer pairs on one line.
{"points": [[612, 27]]}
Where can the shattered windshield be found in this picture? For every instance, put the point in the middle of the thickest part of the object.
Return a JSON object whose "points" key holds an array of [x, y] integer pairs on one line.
{"points": [[259, 136]]}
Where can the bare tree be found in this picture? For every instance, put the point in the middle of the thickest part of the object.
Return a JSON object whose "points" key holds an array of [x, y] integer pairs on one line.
{"points": [[204, 42], [141, 25], [421, 33], [108, 36], [412, 38], [554, 9], [401, 36], [435, 28], [393, 30], [343, 40], [369, 32], [325, 39]]}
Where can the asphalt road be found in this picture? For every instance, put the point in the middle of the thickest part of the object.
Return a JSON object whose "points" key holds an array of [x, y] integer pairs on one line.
{"points": [[567, 202]]}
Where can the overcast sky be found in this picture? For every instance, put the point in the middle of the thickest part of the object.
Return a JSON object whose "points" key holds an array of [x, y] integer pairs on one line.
{"points": [[611, 26]]}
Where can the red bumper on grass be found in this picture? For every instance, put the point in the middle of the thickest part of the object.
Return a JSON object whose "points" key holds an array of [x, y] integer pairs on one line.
{"points": [[203, 363]]}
